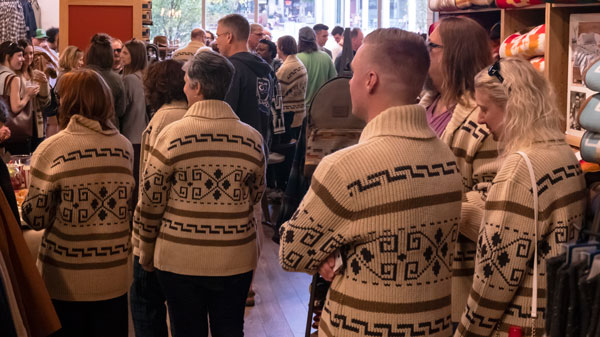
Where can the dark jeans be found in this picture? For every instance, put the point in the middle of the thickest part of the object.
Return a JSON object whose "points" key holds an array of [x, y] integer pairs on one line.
{"points": [[93, 319], [147, 300], [191, 299]]}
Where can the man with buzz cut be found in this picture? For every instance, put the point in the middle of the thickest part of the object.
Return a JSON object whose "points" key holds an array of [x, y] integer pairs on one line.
{"points": [[387, 208]]}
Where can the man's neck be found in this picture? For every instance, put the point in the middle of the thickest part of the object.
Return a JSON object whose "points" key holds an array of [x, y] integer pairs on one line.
{"points": [[238, 48]]}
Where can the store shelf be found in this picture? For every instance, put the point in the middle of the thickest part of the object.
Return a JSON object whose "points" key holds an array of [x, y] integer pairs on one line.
{"points": [[596, 4]]}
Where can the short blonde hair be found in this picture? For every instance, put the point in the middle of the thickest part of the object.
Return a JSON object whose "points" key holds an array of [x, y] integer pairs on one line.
{"points": [[69, 58], [528, 99]]}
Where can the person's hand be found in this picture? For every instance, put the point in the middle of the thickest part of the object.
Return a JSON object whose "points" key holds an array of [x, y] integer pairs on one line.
{"points": [[326, 269], [149, 267], [32, 90], [40, 77], [4, 133]]}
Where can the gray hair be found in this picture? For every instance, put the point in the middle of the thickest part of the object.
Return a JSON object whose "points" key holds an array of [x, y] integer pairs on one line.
{"points": [[212, 71]]}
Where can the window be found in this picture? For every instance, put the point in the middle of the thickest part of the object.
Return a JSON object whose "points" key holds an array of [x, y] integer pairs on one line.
{"points": [[175, 19], [216, 9]]}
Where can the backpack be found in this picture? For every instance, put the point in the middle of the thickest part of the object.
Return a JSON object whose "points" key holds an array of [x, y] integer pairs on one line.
{"points": [[331, 126]]}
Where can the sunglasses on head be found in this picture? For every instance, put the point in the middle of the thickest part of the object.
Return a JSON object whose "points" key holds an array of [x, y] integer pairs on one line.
{"points": [[494, 71]]}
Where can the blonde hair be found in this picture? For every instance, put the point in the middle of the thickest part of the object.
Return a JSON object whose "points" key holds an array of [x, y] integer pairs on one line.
{"points": [[528, 99], [69, 59]]}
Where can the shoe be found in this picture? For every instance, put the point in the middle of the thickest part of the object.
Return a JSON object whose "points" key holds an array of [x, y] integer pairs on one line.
{"points": [[591, 75]]}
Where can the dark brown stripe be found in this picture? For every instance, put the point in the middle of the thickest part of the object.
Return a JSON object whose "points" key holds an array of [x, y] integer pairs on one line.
{"points": [[82, 266], [522, 210], [89, 237], [80, 172], [207, 153], [527, 292], [463, 272], [461, 153], [392, 207], [487, 303], [150, 216], [464, 333], [388, 308], [147, 240], [207, 215], [207, 243]]}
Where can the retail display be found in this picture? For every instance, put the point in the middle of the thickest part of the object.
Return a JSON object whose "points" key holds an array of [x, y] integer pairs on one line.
{"points": [[531, 44]]}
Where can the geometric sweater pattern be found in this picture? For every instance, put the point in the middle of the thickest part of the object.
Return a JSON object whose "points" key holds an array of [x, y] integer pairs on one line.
{"points": [[79, 194], [165, 115], [293, 78], [476, 156], [502, 286], [391, 206], [201, 181]]}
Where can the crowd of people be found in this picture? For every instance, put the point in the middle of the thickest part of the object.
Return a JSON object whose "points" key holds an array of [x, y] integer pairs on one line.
{"points": [[427, 226]]}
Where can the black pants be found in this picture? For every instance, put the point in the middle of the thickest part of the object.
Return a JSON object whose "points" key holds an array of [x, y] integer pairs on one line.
{"points": [[93, 319], [148, 309], [191, 299]]}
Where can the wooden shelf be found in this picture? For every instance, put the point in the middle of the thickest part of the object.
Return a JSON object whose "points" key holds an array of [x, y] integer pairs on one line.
{"points": [[596, 4]]}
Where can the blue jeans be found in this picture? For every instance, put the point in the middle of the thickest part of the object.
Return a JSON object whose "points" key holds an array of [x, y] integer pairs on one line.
{"points": [[147, 300], [193, 299]]}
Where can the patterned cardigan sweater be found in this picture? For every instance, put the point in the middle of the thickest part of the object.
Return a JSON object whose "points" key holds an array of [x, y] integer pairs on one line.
{"points": [[476, 156], [201, 181], [80, 191], [293, 78], [502, 286], [391, 204], [164, 116]]}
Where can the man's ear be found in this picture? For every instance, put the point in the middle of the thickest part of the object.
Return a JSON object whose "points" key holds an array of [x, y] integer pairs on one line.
{"points": [[373, 81]]}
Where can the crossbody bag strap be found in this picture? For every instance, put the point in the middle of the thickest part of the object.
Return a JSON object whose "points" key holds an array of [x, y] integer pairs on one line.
{"points": [[534, 296]]}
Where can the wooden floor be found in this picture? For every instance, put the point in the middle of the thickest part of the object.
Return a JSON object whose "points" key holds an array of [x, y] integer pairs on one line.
{"points": [[281, 297]]}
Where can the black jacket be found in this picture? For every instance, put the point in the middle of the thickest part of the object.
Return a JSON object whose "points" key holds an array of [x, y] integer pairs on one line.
{"points": [[252, 90]]}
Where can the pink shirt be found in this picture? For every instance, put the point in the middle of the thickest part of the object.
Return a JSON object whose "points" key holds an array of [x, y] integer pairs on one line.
{"points": [[438, 123]]}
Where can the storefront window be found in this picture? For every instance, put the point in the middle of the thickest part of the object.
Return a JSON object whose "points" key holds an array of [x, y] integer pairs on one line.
{"points": [[175, 19], [405, 14], [362, 14], [286, 17], [216, 9]]}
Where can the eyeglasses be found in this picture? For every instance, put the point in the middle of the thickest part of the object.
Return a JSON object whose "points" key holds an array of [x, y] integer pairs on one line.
{"points": [[495, 71], [118, 50], [217, 34], [433, 45]]}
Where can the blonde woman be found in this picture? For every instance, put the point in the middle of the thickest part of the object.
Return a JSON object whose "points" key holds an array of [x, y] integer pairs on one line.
{"points": [[518, 107], [70, 59]]}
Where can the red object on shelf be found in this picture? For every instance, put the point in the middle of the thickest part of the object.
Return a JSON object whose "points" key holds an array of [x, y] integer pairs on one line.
{"points": [[515, 331], [85, 21]]}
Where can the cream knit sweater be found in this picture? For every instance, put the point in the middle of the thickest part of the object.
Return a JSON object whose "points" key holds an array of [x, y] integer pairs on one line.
{"points": [[391, 204], [166, 115], [502, 286], [292, 77], [476, 156], [201, 181], [80, 190]]}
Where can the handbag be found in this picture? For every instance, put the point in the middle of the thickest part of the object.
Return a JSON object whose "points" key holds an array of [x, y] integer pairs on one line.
{"points": [[21, 122]]}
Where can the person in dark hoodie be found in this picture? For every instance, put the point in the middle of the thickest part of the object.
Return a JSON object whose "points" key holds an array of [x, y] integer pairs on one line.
{"points": [[252, 89]]}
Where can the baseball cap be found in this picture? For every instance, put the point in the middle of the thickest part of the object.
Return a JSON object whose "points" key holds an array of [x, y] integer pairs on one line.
{"points": [[307, 34]]}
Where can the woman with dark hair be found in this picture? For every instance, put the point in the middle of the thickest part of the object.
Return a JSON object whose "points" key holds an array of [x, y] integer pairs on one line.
{"points": [[293, 79], [459, 48], [163, 83], [99, 57], [267, 50], [210, 37], [34, 77], [135, 119], [319, 65], [80, 195], [19, 96]]}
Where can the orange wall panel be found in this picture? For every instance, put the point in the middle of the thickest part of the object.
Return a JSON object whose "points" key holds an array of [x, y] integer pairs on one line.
{"points": [[85, 21]]}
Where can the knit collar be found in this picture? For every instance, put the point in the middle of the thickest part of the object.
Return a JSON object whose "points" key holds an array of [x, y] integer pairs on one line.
{"points": [[291, 59], [174, 105], [79, 124], [407, 121], [462, 111], [211, 109], [196, 44]]}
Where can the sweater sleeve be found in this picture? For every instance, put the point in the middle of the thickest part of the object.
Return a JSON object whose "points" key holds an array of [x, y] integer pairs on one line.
{"points": [[320, 225], [504, 250], [155, 184], [39, 207], [472, 210]]}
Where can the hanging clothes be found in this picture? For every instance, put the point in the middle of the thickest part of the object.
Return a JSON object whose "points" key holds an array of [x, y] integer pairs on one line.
{"points": [[29, 16], [37, 11], [12, 21]]}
